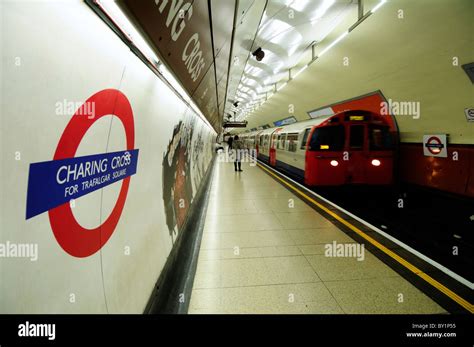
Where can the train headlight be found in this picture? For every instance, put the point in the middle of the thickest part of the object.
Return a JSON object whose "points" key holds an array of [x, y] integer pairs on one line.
{"points": [[334, 163], [376, 162]]}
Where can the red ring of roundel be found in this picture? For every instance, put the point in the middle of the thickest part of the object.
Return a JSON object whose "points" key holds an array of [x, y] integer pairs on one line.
{"points": [[71, 236]]}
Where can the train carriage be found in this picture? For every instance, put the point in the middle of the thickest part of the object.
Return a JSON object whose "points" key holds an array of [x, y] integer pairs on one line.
{"points": [[290, 147], [264, 141], [351, 147]]}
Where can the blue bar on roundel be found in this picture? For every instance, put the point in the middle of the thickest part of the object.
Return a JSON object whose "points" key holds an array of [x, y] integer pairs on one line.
{"points": [[53, 183]]}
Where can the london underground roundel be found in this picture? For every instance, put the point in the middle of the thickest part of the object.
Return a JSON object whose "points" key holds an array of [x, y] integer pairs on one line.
{"points": [[53, 184], [434, 145]]}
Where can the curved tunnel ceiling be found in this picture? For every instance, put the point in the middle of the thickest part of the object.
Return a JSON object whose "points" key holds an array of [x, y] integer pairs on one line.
{"points": [[194, 40], [286, 30], [227, 80]]}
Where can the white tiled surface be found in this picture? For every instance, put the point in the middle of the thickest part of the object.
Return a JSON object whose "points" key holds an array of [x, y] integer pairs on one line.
{"points": [[262, 251]]}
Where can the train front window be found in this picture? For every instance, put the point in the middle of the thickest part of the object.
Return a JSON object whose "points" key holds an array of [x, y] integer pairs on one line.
{"points": [[357, 137], [329, 138], [380, 138]]}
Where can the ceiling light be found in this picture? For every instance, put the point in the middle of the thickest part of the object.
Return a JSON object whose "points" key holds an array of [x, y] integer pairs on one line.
{"points": [[116, 14], [282, 86], [378, 6], [301, 70], [333, 43]]}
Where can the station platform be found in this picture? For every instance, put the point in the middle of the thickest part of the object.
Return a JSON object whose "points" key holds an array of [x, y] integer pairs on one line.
{"points": [[264, 250]]}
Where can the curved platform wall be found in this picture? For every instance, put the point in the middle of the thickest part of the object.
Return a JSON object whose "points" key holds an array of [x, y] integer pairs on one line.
{"points": [[57, 55]]}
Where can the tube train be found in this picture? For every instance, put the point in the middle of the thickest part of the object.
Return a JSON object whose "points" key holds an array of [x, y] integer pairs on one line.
{"points": [[350, 147]]}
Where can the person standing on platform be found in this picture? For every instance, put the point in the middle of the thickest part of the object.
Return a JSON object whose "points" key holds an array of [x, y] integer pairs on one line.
{"points": [[237, 146], [229, 142]]}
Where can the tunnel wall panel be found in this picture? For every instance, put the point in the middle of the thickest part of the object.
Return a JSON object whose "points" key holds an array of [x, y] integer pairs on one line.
{"points": [[446, 174]]}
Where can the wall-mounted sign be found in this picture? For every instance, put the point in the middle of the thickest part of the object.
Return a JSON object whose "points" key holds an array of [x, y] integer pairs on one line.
{"points": [[285, 121], [435, 146], [53, 184], [242, 124], [469, 114], [321, 113]]}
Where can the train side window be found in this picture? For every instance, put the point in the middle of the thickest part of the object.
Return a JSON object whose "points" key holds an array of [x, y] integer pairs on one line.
{"points": [[282, 141], [356, 140], [380, 138], [305, 138], [274, 143], [292, 142], [328, 138]]}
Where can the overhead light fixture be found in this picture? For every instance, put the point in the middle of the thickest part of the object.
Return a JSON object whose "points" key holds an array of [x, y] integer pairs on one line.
{"points": [[282, 86], [259, 54], [333, 43], [301, 70], [114, 12], [378, 6], [124, 25]]}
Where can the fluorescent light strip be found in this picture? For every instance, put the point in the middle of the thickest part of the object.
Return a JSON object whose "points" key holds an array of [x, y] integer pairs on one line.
{"points": [[301, 70], [282, 86], [115, 13], [333, 43], [380, 4]]}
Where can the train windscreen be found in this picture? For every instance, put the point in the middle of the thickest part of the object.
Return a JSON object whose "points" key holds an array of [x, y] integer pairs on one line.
{"points": [[329, 138], [380, 138], [356, 141]]}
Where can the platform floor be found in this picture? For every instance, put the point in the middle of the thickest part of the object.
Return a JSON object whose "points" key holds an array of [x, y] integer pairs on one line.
{"points": [[263, 251]]}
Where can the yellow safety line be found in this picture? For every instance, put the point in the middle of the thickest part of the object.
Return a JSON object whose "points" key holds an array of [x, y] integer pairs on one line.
{"points": [[461, 301]]}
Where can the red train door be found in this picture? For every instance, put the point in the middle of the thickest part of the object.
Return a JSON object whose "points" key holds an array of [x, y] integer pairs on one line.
{"points": [[273, 145], [357, 154], [273, 150]]}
